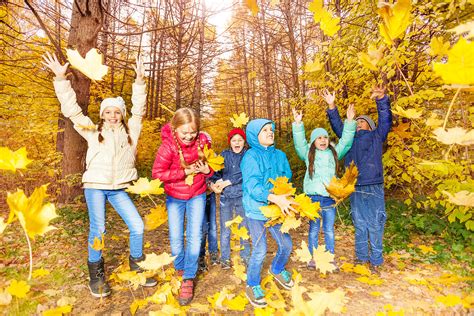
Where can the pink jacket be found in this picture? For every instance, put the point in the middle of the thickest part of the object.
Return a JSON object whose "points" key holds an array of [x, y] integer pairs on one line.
{"points": [[167, 166]]}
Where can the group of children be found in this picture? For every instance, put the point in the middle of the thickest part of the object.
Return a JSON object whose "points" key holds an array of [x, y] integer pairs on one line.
{"points": [[243, 184]]}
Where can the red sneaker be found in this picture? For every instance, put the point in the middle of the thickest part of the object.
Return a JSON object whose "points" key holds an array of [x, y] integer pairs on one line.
{"points": [[186, 292]]}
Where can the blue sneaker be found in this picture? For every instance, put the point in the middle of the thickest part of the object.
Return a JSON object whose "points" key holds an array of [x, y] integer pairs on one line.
{"points": [[283, 278], [256, 296]]}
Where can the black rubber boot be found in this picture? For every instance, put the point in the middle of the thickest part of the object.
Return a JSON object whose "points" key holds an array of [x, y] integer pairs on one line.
{"points": [[133, 262], [97, 284]]}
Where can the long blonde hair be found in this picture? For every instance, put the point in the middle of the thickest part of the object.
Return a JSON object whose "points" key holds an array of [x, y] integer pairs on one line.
{"points": [[186, 116]]}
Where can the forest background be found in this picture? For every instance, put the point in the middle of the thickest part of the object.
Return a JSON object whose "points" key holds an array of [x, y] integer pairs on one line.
{"points": [[269, 57]]}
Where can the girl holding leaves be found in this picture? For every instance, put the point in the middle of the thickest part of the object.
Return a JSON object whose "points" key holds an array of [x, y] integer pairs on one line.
{"points": [[181, 165], [110, 166], [321, 160]]}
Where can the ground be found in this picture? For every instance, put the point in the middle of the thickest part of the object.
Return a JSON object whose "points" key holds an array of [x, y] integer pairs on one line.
{"points": [[410, 285]]}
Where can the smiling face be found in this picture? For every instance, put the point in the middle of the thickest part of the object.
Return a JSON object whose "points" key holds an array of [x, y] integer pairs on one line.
{"points": [[266, 137], [112, 115], [362, 125], [322, 142], [187, 133], [237, 143]]}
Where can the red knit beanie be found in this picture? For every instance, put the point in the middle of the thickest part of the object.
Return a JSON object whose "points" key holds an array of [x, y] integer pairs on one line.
{"points": [[234, 132]]}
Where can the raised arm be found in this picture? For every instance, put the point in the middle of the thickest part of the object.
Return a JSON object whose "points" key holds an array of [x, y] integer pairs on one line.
{"points": [[299, 137], [333, 115], [384, 110], [345, 142], [138, 100]]}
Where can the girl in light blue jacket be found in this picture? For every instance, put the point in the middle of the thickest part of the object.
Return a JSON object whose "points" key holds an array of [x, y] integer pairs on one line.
{"points": [[321, 162]]}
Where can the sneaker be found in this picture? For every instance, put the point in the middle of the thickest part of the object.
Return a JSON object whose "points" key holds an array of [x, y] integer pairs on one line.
{"points": [[186, 292], [226, 264], [359, 262], [311, 265], [283, 278], [214, 258], [256, 296], [202, 266], [374, 269]]}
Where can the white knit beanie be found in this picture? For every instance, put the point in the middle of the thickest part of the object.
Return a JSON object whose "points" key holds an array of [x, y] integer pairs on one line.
{"points": [[118, 102]]}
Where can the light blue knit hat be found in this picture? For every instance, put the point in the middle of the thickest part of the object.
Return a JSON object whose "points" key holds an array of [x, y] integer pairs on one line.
{"points": [[317, 132]]}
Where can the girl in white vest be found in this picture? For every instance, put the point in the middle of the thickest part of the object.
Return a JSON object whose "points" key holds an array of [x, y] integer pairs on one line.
{"points": [[110, 166]]}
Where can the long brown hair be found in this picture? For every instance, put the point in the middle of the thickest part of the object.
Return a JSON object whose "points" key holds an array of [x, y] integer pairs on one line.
{"points": [[101, 124], [312, 155], [186, 116]]}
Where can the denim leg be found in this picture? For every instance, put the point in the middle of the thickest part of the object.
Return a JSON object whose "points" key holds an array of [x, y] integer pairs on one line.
{"points": [[124, 206], [194, 214], [376, 203], [313, 234], [205, 230], [212, 237], [360, 219], [285, 246], [176, 209], [258, 234], [239, 211], [95, 200], [225, 216], [329, 216]]}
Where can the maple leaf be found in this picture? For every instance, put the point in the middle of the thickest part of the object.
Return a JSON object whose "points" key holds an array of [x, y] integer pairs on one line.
{"points": [[334, 301], [347, 267], [313, 66], [239, 269], [369, 280], [438, 47], [409, 113], [39, 273], [372, 57], [91, 66], [467, 27], [241, 232], [239, 120], [282, 186], [216, 162], [189, 179], [145, 187], [316, 6], [155, 262], [303, 254], [396, 19], [425, 249], [290, 222], [136, 304], [433, 121], [455, 135], [271, 211], [136, 279], [34, 217], [253, 6], [18, 289], [306, 207], [339, 189], [361, 269], [459, 69], [402, 130], [3, 225], [13, 160], [324, 259], [99, 243], [58, 311], [329, 24], [236, 220], [464, 198], [157, 217]]}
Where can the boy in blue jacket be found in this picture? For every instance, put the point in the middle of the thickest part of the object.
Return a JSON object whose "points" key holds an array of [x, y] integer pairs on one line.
{"points": [[367, 202], [259, 164]]}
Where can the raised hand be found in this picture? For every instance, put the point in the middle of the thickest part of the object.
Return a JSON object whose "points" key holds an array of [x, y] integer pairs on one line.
{"points": [[139, 69], [52, 62], [328, 97], [350, 112], [378, 92], [298, 116]]}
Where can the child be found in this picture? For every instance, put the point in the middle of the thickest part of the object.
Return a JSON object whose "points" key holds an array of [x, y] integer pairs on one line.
{"points": [[229, 182], [110, 166], [367, 202], [321, 160], [259, 164], [180, 155]]}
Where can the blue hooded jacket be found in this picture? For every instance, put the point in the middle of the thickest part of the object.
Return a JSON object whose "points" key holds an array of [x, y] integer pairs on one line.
{"points": [[258, 165], [231, 172], [366, 150]]}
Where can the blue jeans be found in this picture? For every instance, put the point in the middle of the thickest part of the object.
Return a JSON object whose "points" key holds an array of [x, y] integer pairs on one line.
{"points": [[209, 226], [193, 210], [258, 234], [369, 216], [124, 206], [328, 213], [230, 208]]}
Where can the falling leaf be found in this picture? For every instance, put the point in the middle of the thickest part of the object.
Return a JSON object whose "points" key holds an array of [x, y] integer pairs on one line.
{"points": [[372, 57], [433, 121], [239, 120], [324, 259], [241, 232], [145, 187], [216, 162], [99, 243], [306, 207], [3, 225], [467, 27], [449, 300], [339, 189], [239, 269], [402, 130], [253, 6], [313, 66], [327, 22], [58, 311], [157, 217], [282, 186], [18, 289], [5, 297], [455, 135], [459, 69], [189, 179], [154, 262], [13, 160], [426, 250], [91, 66], [464, 198], [290, 222], [438, 47], [236, 220], [396, 19], [39, 273], [34, 217], [303, 254], [409, 113]]}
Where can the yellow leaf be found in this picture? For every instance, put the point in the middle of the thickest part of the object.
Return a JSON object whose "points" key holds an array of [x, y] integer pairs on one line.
{"points": [[253, 6], [396, 19], [241, 232], [239, 269], [455, 135], [347, 267], [5, 297], [313, 66], [324, 259], [267, 311], [425, 249], [18, 289], [339, 189], [372, 57], [136, 304], [271, 211], [216, 162], [433, 121], [306, 207], [157, 217], [467, 27], [316, 6], [236, 220], [34, 217], [39, 273], [361, 269], [58, 311], [237, 303], [334, 301], [99, 243], [410, 113], [3, 225], [91, 66], [189, 179], [290, 222], [329, 24], [282, 186], [147, 244], [464, 198], [145, 187], [155, 262], [375, 293], [13, 160], [135, 279], [239, 120], [438, 47], [449, 300], [369, 280], [303, 254], [402, 130], [252, 75], [459, 69]]}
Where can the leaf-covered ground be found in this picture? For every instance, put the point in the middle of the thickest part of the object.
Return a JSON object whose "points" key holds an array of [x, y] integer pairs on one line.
{"points": [[409, 285]]}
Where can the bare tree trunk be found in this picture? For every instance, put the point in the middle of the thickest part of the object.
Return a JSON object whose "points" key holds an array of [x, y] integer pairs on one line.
{"points": [[197, 91]]}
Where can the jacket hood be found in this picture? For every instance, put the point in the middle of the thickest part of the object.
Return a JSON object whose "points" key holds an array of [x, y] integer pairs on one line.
{"points": [[253, 129]]}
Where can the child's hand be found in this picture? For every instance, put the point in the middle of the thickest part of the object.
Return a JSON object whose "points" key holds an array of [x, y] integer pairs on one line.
{"points": [[51, 61], [283, 203], [201, 167], [215, 188], [378, 92], [189, 170], [329, 98], [140, 70], [298, 115], [350, 112]]}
